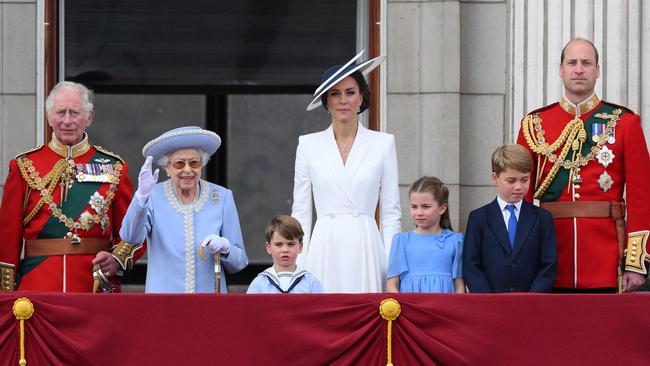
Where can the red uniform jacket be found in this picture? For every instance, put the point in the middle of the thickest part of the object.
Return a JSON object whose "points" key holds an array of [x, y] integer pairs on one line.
{"points": [[588, 251], [67, 273]]}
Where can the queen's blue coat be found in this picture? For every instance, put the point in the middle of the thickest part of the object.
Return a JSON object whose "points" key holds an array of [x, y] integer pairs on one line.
{"points": [[174, 232]]}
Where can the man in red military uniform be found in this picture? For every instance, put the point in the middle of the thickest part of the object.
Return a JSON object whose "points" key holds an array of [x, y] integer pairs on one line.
{"points": [[588, 153], [63, 205]]}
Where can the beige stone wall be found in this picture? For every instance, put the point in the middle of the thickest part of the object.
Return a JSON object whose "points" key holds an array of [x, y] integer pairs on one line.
{"points": [[424, 93], [17, 79], [446, 86], [461, 74]]}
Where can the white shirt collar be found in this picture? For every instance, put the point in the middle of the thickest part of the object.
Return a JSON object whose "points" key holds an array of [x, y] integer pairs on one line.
{"points": [[503, 204]]}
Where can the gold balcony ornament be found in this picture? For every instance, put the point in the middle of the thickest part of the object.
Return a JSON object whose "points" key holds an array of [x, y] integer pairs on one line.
{"points": [[23, 310], [389, 309]]}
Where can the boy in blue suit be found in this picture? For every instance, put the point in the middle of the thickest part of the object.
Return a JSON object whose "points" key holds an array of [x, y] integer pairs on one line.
{"points": [[510, 244]]}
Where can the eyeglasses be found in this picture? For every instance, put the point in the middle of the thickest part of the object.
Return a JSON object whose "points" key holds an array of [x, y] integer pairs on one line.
{"points": [[180, 164]]}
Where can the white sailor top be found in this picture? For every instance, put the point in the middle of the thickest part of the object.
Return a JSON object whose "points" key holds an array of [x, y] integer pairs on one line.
{"points": [[298, 282]]}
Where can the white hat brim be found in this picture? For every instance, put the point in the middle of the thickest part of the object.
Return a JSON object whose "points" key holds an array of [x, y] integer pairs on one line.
{"points": [[365, 67], [336, 74], [191, 137]]}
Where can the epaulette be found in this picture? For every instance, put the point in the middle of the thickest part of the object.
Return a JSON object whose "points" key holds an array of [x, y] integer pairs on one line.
{"points": [[626, 109], [108, 152], [29, 151], [538, 110]]}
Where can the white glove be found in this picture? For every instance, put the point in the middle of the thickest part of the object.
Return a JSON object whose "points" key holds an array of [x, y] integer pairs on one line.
{"points": [[146, 180], [216, 244]]}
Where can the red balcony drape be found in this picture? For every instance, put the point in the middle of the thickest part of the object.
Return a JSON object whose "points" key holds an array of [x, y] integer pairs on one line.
{"points": [[237, 329]]}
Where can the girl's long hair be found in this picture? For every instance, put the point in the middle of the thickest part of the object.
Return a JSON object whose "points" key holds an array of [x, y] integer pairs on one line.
{"points": [[440, 194]]}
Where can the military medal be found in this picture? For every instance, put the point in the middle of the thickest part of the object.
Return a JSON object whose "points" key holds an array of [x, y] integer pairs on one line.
{"points": [[86, 218], [101, 173], [605, 156], [63, 174], [605, 181], [596, 130], [611, 138], [97, 202]]}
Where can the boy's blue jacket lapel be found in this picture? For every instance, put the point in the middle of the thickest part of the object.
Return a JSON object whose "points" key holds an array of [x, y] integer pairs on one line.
{"points": [[525, 224], [497, 225]]}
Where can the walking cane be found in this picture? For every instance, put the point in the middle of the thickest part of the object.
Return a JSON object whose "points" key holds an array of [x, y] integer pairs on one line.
{"points": [[217, 273], [217, 269]]}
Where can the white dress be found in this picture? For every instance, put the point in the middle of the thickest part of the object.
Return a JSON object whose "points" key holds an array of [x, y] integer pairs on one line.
{"points": [[345, 251]]}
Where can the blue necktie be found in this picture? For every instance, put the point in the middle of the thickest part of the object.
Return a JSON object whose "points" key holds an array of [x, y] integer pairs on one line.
{"points": [[512, 225]]}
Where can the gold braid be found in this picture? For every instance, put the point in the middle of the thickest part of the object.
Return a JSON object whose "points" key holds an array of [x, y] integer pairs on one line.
{"points": [[33, 180], [569, 140], [572, 138], [30, 175]]}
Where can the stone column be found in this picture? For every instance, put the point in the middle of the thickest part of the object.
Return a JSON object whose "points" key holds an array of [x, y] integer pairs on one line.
{"points": [[483, 56], [539, 30], [17, 79], [423, 94]]}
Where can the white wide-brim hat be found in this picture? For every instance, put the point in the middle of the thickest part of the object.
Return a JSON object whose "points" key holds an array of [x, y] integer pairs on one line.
{"points": [[189, 137], [335, 74]]}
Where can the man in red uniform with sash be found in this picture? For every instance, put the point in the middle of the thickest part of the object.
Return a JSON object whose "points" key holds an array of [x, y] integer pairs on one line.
{"points": [[63, 205], [588, 153]]}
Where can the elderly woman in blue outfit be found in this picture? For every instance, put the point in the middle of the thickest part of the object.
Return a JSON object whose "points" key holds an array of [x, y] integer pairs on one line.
{"points": [[185, 217]]}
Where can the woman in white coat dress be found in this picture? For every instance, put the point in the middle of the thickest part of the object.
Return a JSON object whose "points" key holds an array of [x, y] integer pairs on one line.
{"points": [[348, 169]]}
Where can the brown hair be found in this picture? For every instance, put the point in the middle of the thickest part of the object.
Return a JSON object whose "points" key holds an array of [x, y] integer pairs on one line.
{"points": [[575, 40], [439, 192], [511, 156], [364, 90], [286, 226]]}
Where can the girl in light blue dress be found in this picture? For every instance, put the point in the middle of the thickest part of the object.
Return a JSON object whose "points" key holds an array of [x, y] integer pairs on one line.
{"points": [[429, 258]]}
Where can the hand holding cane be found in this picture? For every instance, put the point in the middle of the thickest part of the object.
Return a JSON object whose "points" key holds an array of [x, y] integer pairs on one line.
{"points": [[216, 245]]}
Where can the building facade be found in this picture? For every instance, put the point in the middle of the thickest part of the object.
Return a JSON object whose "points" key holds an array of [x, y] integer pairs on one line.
{"points": [[458, 78]]}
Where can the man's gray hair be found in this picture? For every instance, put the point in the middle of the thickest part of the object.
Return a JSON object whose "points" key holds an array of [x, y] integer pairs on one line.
{"points": [[86, 95]]}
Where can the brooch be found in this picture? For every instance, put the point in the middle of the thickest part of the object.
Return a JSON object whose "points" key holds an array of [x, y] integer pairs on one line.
{"points": [[215, 197], [605, 156], [605, 181]]}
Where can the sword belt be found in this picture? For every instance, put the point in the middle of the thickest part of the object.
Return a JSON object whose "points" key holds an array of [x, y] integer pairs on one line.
{"points": [[48, 247], [613, 209]]}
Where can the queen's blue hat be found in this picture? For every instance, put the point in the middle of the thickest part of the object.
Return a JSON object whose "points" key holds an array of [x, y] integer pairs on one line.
{"points": [[189, 137], [336, 73]]}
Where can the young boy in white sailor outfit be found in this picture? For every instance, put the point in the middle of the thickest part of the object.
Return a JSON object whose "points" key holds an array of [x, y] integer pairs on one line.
{"points": [[284, 242]]}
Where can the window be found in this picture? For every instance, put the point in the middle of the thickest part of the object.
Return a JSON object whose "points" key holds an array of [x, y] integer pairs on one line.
{"points": [[245, 69]]}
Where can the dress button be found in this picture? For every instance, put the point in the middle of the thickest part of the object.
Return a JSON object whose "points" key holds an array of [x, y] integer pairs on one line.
{"points": [[355, 213], [332, 215], [512, 265], [577, 196]]}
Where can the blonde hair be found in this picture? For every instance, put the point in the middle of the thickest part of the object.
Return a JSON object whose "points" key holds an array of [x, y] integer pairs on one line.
{"points": [[440, 194], [511, 156], [287, 226]]}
